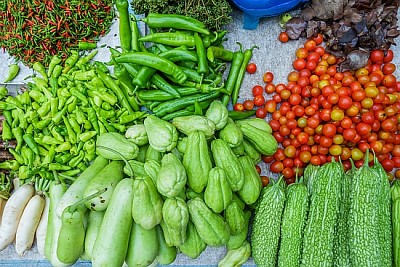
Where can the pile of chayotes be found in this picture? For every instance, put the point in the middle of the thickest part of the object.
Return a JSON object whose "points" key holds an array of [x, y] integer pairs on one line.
{"points": [[139, 162]]}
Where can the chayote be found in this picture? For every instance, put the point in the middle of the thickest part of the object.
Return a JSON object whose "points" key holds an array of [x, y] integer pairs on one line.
{"points": [[134, 168], [252, 185], [250, 151], [137, 134], [176, 217], [239, 150], [258, 133], [231, 133], [152, 154], [187, 124], [142, 153], [162, 135], [217, 113], [147, 203], [193, 245], [197, 161], [218, 193], [171, 178], [236, 257], [234, 217], [181, 146], [235, 241], [257, 123], [227, 160], [152, 168], [115, 146], [210, 226]]}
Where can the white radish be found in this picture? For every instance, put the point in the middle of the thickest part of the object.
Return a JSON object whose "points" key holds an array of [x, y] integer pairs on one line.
{"points": [[15, 184], [2, 204], [42, 227], [12, 214], [28, 224]]}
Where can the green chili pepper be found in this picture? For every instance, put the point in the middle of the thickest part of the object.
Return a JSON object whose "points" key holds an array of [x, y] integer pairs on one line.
{"points": [[53, 106], [86, 45], [58, 167], [80, 117], [28, 155], [214, 52], [25, 99], [72, 172], [37, 96], [90, 148], [109, 98], [63, 147], [62, 158], [23, 172], [202, 67], [131, 117], [175, 21], [121, 128], [3, 92], [35, 106], [76, 160], [110, 83], [241, 115], [50, 155], [13, 70], [240, 75], [83, 60], [29, 140], [43, 151], [101, 66], [55, 60], [17, 156], [17, 133], [10, 165], [29, 129], [44, 109], [70, 131], [38, 67], [48, 140], [84, 75], [8, 116], [58, 117], [125, 34], [7, 106], [87, 125], [135, 35], [154, 61], [169, 38], [106, 106], [87, 135], [74, 125], [57, 71], [70, 61], [76, 93], [163, 85], [56, 134], [43, 124], [232, 76], [54, 85], [108, 127], [72, 105], [177, 104]]}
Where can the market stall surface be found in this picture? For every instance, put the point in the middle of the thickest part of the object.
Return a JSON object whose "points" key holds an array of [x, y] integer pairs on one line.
{"points": [[271, 55]]}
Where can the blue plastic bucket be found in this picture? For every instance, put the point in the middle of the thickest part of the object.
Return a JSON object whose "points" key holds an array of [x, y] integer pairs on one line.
{"points": [[253, 10]]}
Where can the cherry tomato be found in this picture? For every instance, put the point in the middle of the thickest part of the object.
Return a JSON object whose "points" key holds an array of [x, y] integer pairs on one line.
{"points": [[259, 100], [257, 90], [377, 56], [264, 180], [261, 113], [268, 77], [248, 104], [318, 39], [238, 107], [283, 37], [251, 68], [276, 167]]}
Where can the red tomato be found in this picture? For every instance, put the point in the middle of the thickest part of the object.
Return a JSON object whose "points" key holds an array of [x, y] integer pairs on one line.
{"points": [[283, 37], [251, 68], [257, 90], [377, 56]]}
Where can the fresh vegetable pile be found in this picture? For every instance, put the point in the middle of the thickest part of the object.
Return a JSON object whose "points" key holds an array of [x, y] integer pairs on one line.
{"points": [[322, 113], [346, 215]]}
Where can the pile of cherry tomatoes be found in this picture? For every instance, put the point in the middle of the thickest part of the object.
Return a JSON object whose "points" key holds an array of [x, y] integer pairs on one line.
{"points": [[321, 113]]}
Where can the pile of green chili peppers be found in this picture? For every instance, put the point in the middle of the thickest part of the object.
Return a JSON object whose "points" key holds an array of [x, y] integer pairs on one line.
{"points": [[56, 120], [177, 69]]}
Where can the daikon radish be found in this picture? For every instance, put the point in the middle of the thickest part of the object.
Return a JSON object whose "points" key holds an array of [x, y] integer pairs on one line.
{"points": [[28, 224], [12, 214], [42, 227]]}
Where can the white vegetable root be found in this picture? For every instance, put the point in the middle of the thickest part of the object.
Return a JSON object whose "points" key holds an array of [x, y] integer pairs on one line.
{"points": [[2, 204], [12, 214], [28, 224], [42, 227]]}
